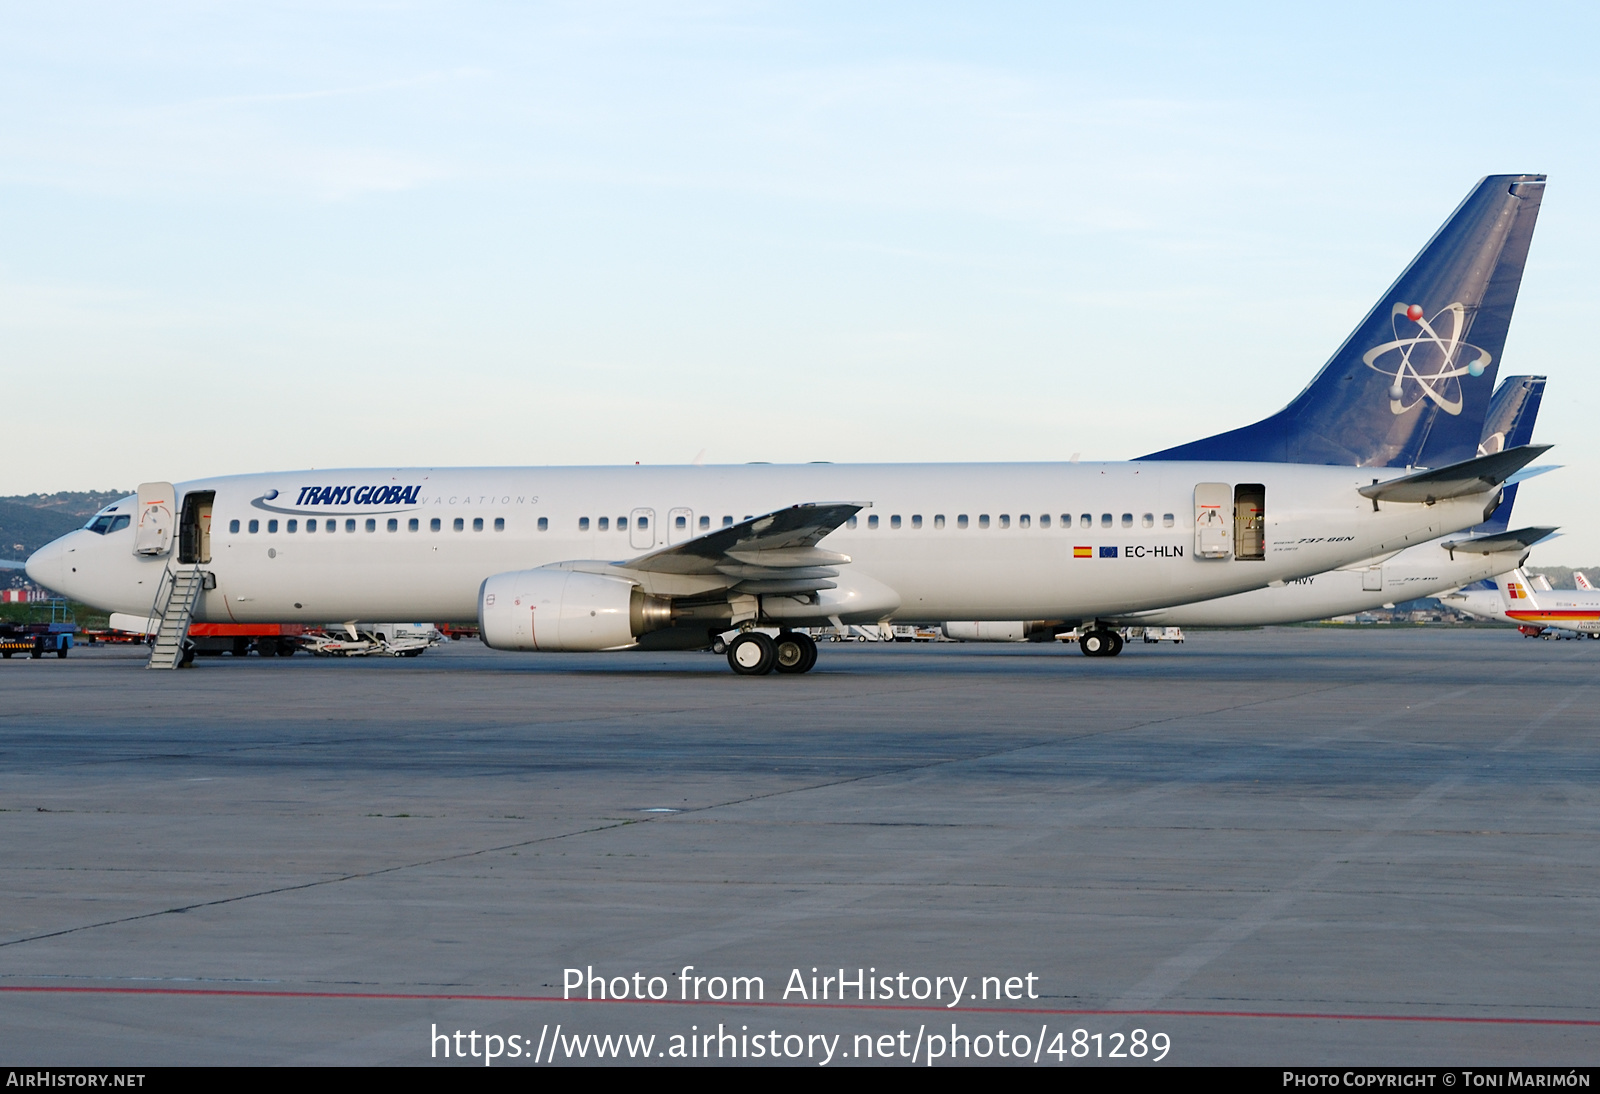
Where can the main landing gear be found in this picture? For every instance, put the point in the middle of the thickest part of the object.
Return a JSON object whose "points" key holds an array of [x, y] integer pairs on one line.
{"points": [[755, 653], [1100, 642]]}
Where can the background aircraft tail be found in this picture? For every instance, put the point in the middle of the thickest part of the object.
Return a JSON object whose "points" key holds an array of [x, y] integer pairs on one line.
{"points": [[1512, 413], [1410, 386]]}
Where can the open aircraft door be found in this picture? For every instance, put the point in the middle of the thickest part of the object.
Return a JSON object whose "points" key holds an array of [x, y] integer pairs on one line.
{"points": [[194, 527], [1213, 520], [153, 533]]}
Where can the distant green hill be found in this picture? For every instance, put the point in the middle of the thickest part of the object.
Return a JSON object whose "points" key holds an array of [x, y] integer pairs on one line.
{"points": [[29, 521], [24, 529]]}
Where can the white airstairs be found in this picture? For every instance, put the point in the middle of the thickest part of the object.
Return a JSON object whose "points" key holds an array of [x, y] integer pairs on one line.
{"points": [[174, 607]]}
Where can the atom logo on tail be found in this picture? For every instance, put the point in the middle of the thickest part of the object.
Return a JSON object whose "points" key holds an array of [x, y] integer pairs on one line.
{"points": [[1425, 364]]}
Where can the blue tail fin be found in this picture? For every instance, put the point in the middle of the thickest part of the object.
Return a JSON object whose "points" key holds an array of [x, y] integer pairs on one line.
{"points": [[1410, 386], [1512, 412]]}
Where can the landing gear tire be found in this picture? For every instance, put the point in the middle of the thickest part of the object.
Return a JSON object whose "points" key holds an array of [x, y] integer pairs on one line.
{"points": [[718, 646], [1100, 643], [796, 653], [752, 654]]}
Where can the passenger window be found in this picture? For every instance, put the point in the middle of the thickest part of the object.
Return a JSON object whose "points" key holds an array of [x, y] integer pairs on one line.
{"points": [[961, 521], [412, 525], [872, 521], [680, 522], [459, 524], [727, 522], [311, 526], [1044, 520], [433, 525], [1167, 520], [642, 522], [233, 526], [477, 524], [499, 524], [983, 520], [294, 526], [1085, 521], [604, 524], [916, 520], [894, 521], [938, 520], [544, 524], [622, 524], [705, 523], [1023, 520], [851, 523], [394, 524], [1105, 520], [1148, 520], [372, 524], [272, 526], [350, 525], [254, 527], [1127, 520], [1005, 520], [583, 524]]}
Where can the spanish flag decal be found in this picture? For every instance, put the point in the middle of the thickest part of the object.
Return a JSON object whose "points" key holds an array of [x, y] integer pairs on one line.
{"points": [[1083, 552]]}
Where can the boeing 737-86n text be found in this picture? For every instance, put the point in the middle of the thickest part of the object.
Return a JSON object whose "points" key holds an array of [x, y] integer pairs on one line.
{"points": [[613, 558]]}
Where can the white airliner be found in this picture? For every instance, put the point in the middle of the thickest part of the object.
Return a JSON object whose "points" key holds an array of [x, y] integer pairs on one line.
{"points": [[1516, 599], [615, 558]]}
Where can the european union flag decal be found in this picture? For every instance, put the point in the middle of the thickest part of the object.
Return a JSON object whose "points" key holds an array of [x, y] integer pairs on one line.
{"points": [[1108, 552]]}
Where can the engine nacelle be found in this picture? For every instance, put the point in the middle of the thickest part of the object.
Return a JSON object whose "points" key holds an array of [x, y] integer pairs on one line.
{"points": [[566, 610]]}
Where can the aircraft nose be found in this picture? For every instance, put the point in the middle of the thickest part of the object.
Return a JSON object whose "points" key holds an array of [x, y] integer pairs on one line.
{"points": [[47, 566]]}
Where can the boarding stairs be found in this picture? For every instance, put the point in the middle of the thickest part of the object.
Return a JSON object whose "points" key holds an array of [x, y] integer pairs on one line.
{"points": [[174, 608]]}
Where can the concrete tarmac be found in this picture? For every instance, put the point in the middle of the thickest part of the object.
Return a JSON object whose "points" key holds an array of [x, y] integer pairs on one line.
{"points": [[1290, 846]]}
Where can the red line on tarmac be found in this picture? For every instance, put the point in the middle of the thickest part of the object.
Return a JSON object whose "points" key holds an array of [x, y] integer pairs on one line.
{"points": [[443, 997]]}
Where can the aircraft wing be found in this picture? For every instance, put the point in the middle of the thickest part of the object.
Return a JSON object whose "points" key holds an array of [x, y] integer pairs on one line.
{"points": [[773, 553], [1475, 476], [1503, 541]]}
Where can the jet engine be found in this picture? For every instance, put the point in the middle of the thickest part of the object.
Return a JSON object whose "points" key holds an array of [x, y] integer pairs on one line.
{"points": [[549, 609]]}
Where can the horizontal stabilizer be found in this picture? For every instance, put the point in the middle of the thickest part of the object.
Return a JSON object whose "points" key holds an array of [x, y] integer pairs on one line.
{"points": [[1475, 476], [1533, 472], [1496, 544]]}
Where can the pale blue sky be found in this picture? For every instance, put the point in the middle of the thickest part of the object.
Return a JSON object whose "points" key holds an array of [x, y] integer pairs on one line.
{"points": [[541, 233]]}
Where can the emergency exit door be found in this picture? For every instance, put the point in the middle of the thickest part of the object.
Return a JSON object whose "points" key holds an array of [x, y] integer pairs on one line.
{"points": [[642, 529], [680, 525]]}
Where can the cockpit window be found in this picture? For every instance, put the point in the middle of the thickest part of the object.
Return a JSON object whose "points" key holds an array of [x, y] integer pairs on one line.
{"points": [[107, 522]]}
